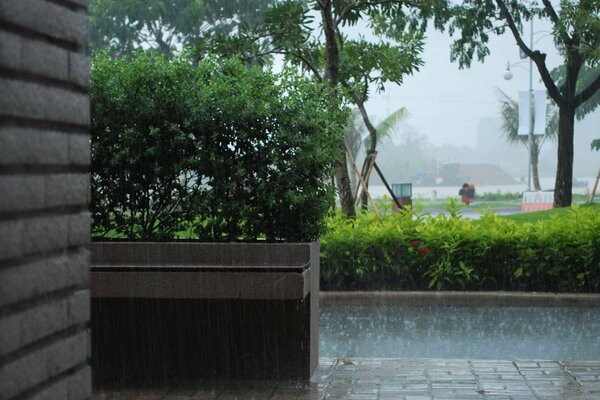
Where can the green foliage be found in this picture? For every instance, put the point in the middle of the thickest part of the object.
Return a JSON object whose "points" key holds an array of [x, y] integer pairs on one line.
{"points": [[353, 65], [144, 156], [595, 144], [221, 151], [414, 251], [289, 29], [125, 25], [587, 74], [491, 196], [575, 31], [554, 213]]}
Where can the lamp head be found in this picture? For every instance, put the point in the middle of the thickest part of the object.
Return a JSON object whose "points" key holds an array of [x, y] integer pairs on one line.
{"points": [[508, 73]]}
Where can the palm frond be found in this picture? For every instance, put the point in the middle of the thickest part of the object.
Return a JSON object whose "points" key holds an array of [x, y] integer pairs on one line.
{"points": [[509, 110], [389, 126]]}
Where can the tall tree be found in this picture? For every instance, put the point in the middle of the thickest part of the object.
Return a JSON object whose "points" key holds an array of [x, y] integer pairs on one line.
{"points": [[354, 66], [576, 30], [509, 110], [124, 25]]}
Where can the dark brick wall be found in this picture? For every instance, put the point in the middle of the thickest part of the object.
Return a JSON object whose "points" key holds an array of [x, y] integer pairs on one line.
{"points": [[44, 196]]}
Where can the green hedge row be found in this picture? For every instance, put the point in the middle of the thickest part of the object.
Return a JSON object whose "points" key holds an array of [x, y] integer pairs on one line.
{"points": [[408, 251], [216, 150]]}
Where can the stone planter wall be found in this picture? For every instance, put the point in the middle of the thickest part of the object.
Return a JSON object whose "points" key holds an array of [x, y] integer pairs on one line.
{"points": [[187, 311]]}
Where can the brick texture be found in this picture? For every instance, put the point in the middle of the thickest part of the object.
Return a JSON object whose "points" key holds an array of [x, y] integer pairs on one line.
{"points": [[41, 102], [79, 150], [46, 18], [22, 329], [23, 146], [33, 56], [33, 192], [44, 200], [44, 364], [38, 278], [45, 60]]}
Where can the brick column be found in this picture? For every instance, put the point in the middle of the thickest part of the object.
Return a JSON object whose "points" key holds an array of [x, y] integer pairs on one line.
{"points": [[44, 196]]}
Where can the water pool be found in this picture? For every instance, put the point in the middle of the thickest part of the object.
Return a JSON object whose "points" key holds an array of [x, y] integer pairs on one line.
{"points": [[542, 333]]}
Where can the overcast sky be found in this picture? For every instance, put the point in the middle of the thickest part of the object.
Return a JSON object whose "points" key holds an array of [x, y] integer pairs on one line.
{"points": [[446, 103]]}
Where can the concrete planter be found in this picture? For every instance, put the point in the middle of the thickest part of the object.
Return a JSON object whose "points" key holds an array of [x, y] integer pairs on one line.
{"points": [[187, 311]]}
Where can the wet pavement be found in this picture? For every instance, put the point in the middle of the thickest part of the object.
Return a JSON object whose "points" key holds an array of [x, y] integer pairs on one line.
{"points": [[404, 379]]}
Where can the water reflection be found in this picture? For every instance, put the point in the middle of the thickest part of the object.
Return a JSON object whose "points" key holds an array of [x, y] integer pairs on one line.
{"points": [[558, 333]]}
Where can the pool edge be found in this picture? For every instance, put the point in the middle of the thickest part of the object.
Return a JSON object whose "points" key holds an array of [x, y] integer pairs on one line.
{"points": [[423, 298]]}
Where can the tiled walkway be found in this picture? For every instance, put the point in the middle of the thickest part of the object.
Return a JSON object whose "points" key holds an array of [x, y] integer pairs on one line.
{"points": [[406, 379]]}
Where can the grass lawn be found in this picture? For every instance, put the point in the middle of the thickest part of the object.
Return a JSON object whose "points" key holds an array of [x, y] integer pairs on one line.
{"points": [[548, 214], [485, 205]]}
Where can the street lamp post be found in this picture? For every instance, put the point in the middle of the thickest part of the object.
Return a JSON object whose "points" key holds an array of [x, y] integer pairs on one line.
{"points": [[508, 76]]}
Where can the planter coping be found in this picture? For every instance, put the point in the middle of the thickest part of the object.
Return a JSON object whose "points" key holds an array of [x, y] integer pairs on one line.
{"points": [[198, 268], [422, 298], [200, 284], [202, 254]]}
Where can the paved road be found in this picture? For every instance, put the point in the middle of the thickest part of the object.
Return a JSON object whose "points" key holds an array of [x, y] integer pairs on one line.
{"points": [[405, 379]]}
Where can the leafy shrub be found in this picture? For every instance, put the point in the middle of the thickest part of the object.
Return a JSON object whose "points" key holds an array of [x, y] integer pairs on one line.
{"points": [[491, 196], [144, 153], [411, 251], [217, 151]]}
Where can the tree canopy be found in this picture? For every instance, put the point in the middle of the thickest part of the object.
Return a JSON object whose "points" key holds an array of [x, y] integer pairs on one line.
{"points": [[388, 48], [575, 30], [124, 25]]}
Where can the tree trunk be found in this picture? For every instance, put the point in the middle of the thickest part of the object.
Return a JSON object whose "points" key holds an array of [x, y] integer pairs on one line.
{"points": [[535, 155], [564, 171], [342, 180], [371, 151], [332, 70], [332, 76], [162, 45]]}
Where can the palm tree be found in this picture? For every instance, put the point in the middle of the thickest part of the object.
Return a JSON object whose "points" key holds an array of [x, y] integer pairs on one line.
{"points": [[357, 136], [509, 110]]}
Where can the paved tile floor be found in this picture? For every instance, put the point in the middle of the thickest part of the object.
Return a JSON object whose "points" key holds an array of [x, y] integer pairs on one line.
{"points": [[404, 379]]}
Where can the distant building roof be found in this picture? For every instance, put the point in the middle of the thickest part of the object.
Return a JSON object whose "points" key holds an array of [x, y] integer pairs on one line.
{"points": [[479, 174]]}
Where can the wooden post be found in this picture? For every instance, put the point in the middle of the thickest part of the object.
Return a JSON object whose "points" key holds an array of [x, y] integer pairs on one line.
{"points": [[359, 186], [387, 186], [369, 170], [362, 182]]}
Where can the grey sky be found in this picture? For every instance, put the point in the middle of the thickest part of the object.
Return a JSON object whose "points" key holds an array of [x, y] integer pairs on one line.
{"points": [[446, 103]]}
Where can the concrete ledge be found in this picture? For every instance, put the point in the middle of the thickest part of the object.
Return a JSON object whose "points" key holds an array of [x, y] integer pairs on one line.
{"points": [[191, 270], [200, 284], [523, 299], [201, 254]]}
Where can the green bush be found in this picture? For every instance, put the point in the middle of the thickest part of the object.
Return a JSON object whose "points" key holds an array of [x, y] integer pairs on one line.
{"points": [[216, 151], [144, 153], [408, 251], [491, 196]]}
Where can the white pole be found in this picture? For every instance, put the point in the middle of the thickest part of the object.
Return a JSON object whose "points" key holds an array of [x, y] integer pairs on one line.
{"points": [[531, 108]]}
